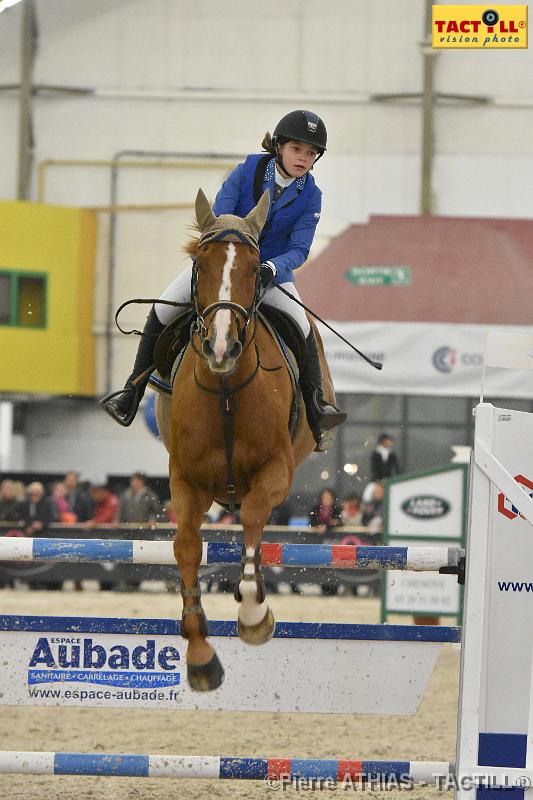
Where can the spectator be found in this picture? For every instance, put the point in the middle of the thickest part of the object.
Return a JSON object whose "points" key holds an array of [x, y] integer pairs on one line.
{"points": [[36, 511], [60, 504], [105, 508], [373, 509], [351, 513], [383, 461], [139, 503], [9, 501], [326, 514], [79, 501]]}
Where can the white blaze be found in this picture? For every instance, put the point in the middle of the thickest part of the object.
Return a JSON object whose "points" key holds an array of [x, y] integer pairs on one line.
{"points": [[223, 317]]}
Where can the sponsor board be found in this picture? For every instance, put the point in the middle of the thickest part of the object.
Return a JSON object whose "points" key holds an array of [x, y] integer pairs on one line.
{"points": [[425, 508], [107, 663], [421, 593]]}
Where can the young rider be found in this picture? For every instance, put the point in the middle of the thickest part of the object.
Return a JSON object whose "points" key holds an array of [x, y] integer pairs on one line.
{"points": [[299, 140]]}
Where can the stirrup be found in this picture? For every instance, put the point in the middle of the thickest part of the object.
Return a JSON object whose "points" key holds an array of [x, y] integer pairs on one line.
{"points": [[112, 408], [328, 415], [325, 441]]}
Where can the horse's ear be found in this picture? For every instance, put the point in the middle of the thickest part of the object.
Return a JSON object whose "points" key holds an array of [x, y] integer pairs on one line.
{"points": [[204, 215], [257, 217]]}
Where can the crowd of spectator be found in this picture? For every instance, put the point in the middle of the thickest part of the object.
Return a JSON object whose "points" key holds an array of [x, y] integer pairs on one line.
{"points": [[32, 509], [72, 502]]}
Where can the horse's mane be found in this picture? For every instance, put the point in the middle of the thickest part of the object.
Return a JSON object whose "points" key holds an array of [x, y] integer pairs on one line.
{"points": [[191, 246]]}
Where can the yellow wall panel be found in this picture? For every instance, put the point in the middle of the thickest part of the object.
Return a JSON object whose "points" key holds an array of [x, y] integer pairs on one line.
{"points": [[59, 243]]}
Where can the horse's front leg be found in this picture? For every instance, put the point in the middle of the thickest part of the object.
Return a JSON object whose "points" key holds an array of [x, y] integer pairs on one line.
{"points": [[269, 488], [204, 670]]}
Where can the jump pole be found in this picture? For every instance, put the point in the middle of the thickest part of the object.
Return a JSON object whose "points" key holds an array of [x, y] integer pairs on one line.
{"points": [[138, 551], [222, 767]]}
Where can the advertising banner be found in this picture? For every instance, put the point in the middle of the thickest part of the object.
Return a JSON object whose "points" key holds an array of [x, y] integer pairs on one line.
{"points": [[425, 508], [420, 358], [131, 663]]}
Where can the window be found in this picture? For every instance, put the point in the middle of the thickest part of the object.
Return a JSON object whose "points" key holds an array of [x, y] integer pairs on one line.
{"points": [[5, 299], [23, 299]]}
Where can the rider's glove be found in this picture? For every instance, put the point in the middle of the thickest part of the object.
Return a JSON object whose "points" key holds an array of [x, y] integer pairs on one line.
{"points": [[267, 273]]}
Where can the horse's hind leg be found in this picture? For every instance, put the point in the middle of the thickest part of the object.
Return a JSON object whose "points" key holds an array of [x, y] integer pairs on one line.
{"points": [[269, 488], [204, 670]]}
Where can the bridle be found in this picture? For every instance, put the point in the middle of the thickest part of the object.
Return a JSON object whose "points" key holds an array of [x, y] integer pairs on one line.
{"points": [[243, 316]]}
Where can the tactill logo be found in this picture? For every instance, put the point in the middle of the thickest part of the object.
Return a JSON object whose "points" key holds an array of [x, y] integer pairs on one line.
{"points": [[478, 26]]}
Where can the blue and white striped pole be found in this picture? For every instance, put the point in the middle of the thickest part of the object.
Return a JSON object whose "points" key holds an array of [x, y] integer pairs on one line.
{"points": [[127, 551], [222, 767]]}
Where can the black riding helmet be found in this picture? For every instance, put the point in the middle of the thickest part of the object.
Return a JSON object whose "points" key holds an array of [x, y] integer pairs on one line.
{"points": [[301, 126]]}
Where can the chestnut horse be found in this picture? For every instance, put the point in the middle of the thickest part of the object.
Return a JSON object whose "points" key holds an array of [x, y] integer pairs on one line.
{"points": [[234, 366]]}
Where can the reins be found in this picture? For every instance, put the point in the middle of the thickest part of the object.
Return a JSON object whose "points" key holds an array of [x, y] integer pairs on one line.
{"points": [[143, 300]]}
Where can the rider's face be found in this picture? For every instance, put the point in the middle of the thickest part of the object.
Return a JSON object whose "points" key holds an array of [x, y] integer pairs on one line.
{"points": [[297, 157]]}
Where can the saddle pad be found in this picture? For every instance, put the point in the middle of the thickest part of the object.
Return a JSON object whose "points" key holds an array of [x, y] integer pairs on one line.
{"points": [[164, 386]]}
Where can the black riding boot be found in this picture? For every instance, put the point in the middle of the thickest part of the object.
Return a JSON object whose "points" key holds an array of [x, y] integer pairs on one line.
{"points": [[123, 405], [321, 415]]}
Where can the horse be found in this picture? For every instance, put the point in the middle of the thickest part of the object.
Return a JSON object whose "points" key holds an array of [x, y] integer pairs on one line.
{"points": [[225, 425]]}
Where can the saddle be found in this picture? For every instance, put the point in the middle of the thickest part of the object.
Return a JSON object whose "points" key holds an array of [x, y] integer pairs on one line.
{"points": [[288, 330], [172, 342]]}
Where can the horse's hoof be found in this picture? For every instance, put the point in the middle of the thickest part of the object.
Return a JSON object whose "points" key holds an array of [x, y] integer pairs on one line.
{"points": [[205, 677], [260, 633]]}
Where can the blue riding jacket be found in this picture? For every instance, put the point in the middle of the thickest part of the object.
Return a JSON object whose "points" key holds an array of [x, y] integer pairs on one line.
{"points": [[290, 227]]}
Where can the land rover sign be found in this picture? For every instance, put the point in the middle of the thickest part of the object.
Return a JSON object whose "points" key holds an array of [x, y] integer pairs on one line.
{"points": [[425, 506]]}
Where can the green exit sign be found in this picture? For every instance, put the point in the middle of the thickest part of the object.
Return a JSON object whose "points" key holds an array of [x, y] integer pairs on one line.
{"points": [[379, 276]]}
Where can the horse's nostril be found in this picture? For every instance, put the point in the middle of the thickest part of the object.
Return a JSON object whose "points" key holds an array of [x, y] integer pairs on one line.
{"points": [[207, 350], [236, 350]]}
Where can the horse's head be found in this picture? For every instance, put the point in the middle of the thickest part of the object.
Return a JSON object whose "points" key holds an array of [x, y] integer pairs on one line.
{"points": [[226, 280]]}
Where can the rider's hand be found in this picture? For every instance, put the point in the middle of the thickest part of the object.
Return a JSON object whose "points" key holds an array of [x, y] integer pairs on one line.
{"points": [[267, 273]]}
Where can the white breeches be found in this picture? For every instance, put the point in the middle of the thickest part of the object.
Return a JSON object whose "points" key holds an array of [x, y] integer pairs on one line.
{"points": [[180, 292]]}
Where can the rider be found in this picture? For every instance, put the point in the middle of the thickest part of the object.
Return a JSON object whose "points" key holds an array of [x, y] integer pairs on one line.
{"points": [[299, 140]]}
